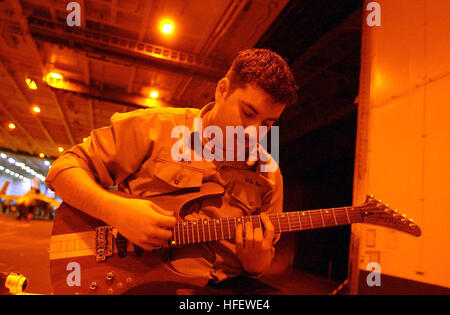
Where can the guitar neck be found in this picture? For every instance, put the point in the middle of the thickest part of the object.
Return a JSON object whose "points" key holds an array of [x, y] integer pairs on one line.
{"points": [[210, 229]]}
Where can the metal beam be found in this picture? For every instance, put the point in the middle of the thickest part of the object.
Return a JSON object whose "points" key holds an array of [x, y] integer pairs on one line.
{"points": [[109, 95], [144, 26], [64, 117], [133, 51]]}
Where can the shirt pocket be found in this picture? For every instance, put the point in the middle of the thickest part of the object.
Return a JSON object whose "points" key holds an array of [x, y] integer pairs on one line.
{"points": [[248, 196], [178, 175]]}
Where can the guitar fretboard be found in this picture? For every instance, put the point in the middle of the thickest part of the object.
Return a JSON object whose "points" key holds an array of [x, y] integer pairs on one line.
{"points": [[215, 229]]}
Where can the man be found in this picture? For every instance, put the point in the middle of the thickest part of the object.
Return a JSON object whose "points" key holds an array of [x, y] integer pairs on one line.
{"points": [[136, 154]]}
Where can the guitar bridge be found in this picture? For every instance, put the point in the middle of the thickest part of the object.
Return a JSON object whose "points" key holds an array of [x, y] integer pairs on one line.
{"points": [[103, 242]]}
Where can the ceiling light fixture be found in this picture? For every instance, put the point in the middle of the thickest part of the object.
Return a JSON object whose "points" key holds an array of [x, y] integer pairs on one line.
{"points": [[31, 84], [167, 26]]}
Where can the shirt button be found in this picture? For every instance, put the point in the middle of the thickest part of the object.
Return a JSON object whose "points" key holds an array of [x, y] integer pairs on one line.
{"points": [[176, 181]]}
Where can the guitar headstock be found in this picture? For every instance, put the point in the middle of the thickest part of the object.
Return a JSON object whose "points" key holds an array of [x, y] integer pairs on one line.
{"points": [[376, 212]]}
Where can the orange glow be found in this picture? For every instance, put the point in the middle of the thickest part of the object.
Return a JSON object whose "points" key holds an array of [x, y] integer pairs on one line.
{"points": [[167, 26], [60, 149], [154, 94], [12, 126], [31, 84], [55, 76], [55, 79], [41, 155], [36, 109], [150, 102]]}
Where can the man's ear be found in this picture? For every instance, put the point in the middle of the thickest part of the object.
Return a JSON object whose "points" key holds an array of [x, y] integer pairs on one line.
{"points": [[222, 89]]}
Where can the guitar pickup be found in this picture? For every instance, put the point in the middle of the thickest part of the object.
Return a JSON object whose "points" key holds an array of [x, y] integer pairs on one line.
{"points": [[103, 242]]}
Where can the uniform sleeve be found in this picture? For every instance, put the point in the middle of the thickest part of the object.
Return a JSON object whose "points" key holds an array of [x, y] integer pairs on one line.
{"points": [[111, 153]]}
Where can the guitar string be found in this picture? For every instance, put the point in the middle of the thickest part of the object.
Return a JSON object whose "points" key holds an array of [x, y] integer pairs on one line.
{"points": [[296, 224], [284, 227]]}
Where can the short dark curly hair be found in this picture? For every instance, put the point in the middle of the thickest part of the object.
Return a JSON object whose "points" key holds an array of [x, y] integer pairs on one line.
{"points": [[266, 69]]}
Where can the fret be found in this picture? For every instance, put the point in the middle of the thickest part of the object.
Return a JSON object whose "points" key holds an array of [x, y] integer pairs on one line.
{"points": [[334, 215], [221, 227], [186, 224], [341, 217], [306, 223], [182, 232], [321, 215], [235, 226], [203, 227], [215, 229], [346, 212], [289, 223], [259, 221], [328, 217], [229, 232], [209, 229], [192, 229], [179, 233], [310, 219], [299, 220], [174, 233], [279, 225]]}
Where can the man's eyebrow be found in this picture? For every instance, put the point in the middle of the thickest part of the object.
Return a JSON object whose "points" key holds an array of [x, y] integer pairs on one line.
{"points": [[256, 112], [251, 107]]}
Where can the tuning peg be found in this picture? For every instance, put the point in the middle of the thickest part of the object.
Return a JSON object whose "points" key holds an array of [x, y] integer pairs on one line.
{"points": [[411, 220], [371, 196], [387, 205], [404, 215], [396, 210]]}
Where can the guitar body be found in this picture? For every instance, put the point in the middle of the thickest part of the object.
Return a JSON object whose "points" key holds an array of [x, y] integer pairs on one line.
{"points": [[75, 268]]}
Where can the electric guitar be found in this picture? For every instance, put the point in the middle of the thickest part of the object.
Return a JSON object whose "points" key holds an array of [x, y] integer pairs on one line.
{"points": [[89, 257]]}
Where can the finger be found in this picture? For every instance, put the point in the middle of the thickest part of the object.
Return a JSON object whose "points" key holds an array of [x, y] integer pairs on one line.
{"points": [[248, 235], [257, 238], [239, 240], [158, 233], [164, 221], [269, 229]]}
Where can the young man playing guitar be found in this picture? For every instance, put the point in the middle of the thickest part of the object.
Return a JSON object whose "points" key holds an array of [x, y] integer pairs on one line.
{"points": [[134, 154]]}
